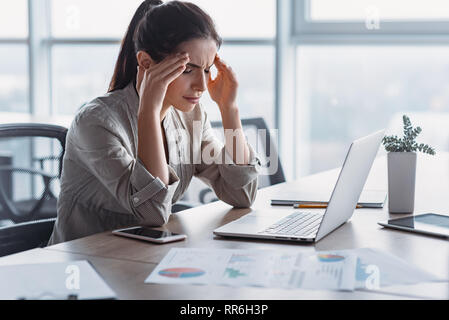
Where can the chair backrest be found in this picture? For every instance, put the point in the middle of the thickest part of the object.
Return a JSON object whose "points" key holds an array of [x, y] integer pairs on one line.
{"points": [[25, 236], [30, 167], [259, 138]]}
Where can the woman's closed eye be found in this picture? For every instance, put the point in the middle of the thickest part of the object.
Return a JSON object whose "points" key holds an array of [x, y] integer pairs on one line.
{"points": [[187, 71]]}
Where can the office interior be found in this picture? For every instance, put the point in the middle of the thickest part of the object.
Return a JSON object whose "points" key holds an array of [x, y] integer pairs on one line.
{"points": [[321, 73]]}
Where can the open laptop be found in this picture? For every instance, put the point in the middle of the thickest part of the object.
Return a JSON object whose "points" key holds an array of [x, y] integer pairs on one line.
{"points": [[312, 226]]}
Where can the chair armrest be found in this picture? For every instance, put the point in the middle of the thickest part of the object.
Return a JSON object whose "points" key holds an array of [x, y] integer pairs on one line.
{"points": [[28, 170], [10, 210]]}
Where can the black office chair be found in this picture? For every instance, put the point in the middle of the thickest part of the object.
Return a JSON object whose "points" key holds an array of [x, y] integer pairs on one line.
{"points": [[266, 147], [24, 236], [30, 167]]}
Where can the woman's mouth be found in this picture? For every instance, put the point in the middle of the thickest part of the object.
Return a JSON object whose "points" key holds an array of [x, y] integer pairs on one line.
{"points": [[192, 100]]}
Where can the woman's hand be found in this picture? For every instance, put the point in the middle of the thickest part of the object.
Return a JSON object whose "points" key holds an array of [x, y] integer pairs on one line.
{"points": [[223, 89], [152, 83]]}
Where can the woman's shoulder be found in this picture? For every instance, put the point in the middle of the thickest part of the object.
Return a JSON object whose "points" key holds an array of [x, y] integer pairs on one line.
{"points": [[106, 109]]}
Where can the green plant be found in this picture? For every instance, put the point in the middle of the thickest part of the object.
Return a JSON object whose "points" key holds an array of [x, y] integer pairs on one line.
{"points": [[407, 143]]}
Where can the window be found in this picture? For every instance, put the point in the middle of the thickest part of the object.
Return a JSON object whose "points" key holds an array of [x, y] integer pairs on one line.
{"points": [[350, 91], [85, 46], [254, 66], [91, 18], [257, 16], [14, 93], [14, 19], [80, 73], [398, 10], [374, 17], [353, 78], [68, 57]]}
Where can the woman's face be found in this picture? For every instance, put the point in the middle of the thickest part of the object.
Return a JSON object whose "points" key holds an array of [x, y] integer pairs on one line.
{"points": [[184, 93]]}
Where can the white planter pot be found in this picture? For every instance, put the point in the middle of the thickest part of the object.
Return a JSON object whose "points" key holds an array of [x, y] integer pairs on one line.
{"points": [[401, 182]]}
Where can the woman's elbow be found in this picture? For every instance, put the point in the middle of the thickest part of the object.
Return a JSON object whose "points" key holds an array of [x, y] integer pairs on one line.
{"points": [[156, 216]]}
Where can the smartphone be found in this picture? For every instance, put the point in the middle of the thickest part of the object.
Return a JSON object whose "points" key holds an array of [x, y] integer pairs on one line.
{"points": [[150, 235]]}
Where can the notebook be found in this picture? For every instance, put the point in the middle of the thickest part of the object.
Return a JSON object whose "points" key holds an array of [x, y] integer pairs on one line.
{"points": [[73, 280], [368, 198]]}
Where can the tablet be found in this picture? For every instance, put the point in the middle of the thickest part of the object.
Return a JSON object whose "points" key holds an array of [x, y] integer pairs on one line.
{"points": [[429, 223]]}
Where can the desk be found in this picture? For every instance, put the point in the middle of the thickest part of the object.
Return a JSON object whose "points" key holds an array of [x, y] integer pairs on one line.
{"points": [[125, 263]]}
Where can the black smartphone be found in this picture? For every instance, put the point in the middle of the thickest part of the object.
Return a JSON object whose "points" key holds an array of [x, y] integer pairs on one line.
{"points": [[148, 234]]}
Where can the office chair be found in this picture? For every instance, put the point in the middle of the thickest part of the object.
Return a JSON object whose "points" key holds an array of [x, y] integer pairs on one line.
{"points": [[24, 236], [30, 168], [250, 125]]}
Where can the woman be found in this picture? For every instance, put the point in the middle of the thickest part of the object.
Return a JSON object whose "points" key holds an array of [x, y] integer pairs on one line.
{"points": [[132, 153]]}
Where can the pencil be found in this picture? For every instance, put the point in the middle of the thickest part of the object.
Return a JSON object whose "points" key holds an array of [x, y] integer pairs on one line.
{"points": [[315, 206]]}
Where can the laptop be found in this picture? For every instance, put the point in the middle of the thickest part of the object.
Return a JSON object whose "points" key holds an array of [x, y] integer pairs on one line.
{"points": [[312, 226]]}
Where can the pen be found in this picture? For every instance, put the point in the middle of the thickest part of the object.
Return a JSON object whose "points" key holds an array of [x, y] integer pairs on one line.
{"points": [[315, 206]]}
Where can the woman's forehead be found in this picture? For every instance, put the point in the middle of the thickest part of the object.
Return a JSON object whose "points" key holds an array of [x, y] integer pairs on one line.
{"points": [[201, 52]]}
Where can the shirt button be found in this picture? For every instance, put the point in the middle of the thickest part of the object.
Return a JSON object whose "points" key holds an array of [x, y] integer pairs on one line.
{"points": [[136, 199]]}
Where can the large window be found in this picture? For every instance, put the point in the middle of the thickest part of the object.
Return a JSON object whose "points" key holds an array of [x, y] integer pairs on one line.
{"points": [[398, 10], [14, 19], [85, 45], [70, 57], [350, 91], [91, 18], [352, 80], [80, 73], [371, 17], [14, 56]]}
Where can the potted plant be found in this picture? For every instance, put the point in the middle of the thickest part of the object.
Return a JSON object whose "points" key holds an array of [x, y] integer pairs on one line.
{"points": [[402, 167]]}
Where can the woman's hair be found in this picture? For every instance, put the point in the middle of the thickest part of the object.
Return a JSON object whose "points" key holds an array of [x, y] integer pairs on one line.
{"points": [[158, 29]]}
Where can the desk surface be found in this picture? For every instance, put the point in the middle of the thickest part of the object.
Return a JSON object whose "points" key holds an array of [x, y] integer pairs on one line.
{"points": [[125, 263]]}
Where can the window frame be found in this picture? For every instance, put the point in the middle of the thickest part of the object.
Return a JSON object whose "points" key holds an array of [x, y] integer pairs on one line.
{"points": [[306, 31], [22, 41]]}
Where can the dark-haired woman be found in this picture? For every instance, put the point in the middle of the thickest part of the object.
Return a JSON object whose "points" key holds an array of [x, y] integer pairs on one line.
{"points": [[132, 153]]}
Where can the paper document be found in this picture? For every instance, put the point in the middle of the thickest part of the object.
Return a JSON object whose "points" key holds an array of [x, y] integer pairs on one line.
{"points": [[332, 270], [53, 281], [390, 270], [258, 268]]}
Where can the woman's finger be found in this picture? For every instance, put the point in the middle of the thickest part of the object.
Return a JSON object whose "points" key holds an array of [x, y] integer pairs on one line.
{"points": [[140, 75], [220, 64], [174, 74], [170, 60], [173, 66]]}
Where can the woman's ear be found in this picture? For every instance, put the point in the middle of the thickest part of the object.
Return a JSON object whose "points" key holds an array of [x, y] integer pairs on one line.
{"points": [[144, 60]]}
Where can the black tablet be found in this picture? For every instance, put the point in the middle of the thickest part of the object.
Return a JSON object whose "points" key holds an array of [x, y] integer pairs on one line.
{"points": [[429, 223]]}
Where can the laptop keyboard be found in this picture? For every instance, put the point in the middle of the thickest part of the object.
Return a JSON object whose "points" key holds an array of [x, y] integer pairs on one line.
{"points": [[302, 224]]}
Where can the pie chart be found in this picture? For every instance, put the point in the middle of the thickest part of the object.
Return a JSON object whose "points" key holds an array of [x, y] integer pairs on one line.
{"points": [[330, 258], [181, 272]]}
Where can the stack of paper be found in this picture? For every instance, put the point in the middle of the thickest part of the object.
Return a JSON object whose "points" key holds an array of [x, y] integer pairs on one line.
{"points": [[333, 270]]}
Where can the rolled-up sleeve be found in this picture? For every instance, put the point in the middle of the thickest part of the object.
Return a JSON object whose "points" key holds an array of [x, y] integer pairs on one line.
{"points": [[232, 183], [102, 153]]}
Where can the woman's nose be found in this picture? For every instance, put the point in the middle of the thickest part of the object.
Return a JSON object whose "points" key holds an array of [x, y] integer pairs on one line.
{"points": [[200, 83]]}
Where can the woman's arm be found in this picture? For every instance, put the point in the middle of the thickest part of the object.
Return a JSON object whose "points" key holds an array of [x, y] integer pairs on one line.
{"points": [[223, 90], [152, 82], [151, 150]]}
